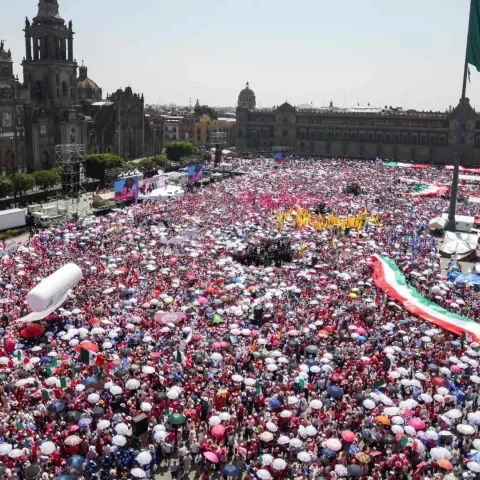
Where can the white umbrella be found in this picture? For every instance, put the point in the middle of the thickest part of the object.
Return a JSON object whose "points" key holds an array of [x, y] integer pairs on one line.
{"points": [[47, 448], [304, 456], [15, 453], [132, 384], [144, 458], [311, 431], [473, 466], [282, 440], [249, 382], [148, 370], [439, 453], [271, 426], [263, 474], [5, 449], [296, 443], [103, 425], [116, 390], [160, 436], [266, 436], [279, 464], [266, 459], [214, 420], [173, 394], [93, 398], [121, 428], [454, 413], [316, 404], [138, 473], [145, 406], [292, 400], [119, 440], [465, 429], [237, 378], [369, 404], [286, 413], [224, 416]]}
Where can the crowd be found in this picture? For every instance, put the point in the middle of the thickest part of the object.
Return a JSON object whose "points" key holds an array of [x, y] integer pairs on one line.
{"points": [[335, 380]]}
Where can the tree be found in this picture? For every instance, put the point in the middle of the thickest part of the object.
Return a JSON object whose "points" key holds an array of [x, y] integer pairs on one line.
{"points": [[46, 179], [22, 182], [106, 160], [206, 156], [147, 163], [206, 110], [177, 150], [160, 161], [6, 187]]}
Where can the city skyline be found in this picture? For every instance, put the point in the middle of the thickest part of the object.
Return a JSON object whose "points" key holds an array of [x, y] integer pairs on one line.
{"points": [[349, 54]]}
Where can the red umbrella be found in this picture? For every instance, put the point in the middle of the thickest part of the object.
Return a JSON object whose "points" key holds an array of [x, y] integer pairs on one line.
{"points": [[211, 457], [221, 344], [348, 436], [32, 331], [438, 381], [196, 338], [218, 431]]}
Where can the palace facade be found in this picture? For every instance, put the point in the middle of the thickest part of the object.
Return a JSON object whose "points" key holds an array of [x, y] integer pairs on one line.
{"points": [[387, 133]]}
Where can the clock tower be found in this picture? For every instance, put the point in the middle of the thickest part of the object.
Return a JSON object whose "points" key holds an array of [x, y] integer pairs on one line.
{"points": [[50, 70]]}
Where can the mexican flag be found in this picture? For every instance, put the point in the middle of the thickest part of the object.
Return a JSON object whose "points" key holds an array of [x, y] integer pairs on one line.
{"points": [[91, 358], [179, 357], [423, 189], [390, 278]]}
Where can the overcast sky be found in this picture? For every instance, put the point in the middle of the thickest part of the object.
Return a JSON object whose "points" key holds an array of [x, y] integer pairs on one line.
{"points": [[382, 52]]}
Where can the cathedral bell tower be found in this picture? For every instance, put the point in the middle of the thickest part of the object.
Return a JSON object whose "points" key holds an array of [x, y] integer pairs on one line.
{"points": [[50, 70]]}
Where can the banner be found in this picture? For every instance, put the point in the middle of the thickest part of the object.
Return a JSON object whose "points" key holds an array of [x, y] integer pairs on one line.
{"points": [[423, 189], [282, 157], [126, 188], [464, 169], [195, 173], [391, 280]]}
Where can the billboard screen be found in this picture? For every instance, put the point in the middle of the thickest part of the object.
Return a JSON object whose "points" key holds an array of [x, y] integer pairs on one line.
{"points": [[282, 157], [195, 173], [148, 184], [126, 188]]}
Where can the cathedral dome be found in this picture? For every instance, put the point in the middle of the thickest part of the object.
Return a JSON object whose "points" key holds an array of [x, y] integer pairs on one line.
{"points": [[88, 90], [246, 99]]}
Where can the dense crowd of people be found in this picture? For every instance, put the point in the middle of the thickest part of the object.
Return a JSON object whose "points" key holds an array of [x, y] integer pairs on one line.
{"points": [[335, 380]]}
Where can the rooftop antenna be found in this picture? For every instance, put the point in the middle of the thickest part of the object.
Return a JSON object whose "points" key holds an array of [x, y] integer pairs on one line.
{"points": [[190, 101]]}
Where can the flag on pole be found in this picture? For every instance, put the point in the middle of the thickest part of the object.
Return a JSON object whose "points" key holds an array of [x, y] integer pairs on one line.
{"points": [[379, 384], [473, 49]]}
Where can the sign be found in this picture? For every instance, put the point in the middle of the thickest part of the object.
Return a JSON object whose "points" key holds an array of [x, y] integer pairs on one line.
{"points": [[195, 173], [126, 188]]}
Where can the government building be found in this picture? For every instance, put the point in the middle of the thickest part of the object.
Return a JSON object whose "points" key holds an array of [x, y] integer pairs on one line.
{"points": [[58, 104], [387, 133]]}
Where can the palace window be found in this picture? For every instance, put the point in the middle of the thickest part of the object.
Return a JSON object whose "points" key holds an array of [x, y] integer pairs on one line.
{"points": [[388, 138], [337, 135], [284, 133], [396, 138], [432, 140], [370, 137], [345, 135], [442, 140], [353, 136], [414, 138], [379, 136], [320, 135], [404, 137], [361, 137], [423, 139]]}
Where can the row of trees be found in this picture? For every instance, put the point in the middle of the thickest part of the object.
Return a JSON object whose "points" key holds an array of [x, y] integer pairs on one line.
{"points": [[18, 184]]}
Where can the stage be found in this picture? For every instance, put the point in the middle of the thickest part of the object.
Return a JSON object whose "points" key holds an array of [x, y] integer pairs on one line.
{"points": [[164, 193]]}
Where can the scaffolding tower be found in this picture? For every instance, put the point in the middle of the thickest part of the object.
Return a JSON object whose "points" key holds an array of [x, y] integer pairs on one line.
{"points": [[70, 162], [218, 140]]}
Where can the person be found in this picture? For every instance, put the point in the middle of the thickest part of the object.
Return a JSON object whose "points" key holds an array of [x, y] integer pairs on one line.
{"points": [[174, 469]]}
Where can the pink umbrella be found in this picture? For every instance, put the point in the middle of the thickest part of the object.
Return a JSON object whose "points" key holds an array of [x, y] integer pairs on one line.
{"points": [[211, 457], [348, 436], [361, 331], [218, 431], [202, 300], [417, 423], [455, 369]]}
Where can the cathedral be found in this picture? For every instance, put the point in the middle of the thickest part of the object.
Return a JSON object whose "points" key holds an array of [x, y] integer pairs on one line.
{"points": [[58, 104]]}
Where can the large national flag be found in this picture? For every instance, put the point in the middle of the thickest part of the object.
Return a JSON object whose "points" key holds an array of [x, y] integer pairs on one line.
{"points": [[473, 51], [390, 279]]}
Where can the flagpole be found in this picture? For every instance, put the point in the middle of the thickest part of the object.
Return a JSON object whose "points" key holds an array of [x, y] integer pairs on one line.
{"points": [[456, 159]]}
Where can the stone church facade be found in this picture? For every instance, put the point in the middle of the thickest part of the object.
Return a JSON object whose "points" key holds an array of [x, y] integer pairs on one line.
{"points": [[55, 106], [387, 133]]}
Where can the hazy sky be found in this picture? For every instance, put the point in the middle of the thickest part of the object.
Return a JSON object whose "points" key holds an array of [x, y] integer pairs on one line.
{"points": [[382, 52]]}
